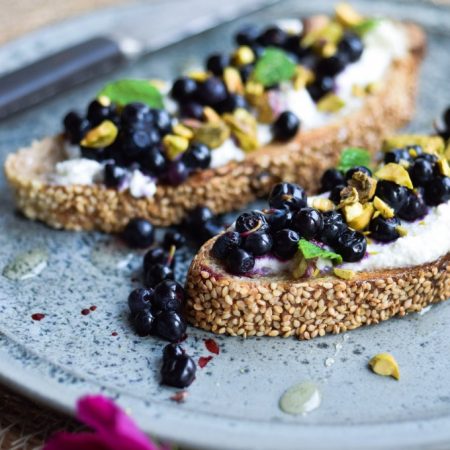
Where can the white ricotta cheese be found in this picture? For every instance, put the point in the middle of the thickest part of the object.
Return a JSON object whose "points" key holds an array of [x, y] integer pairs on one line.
{"points": [[427, 240], [227, 152], [269, 265], [77, 171], [141, 185]]}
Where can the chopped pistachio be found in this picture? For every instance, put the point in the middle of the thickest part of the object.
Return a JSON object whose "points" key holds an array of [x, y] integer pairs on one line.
{"points": [[429, 144], [328, 49], [330, 103], [364, 184], [323, 204], [361, 221], [233, 81], [345, 274], [175, 145], [303, 76], [352, 211], [402, 231], [384, 364], [198, 75], [396, 173], [300, 266], [347, 16], [212, 134], [243, 126], [104, 100], [211, 115], [100, 136], [447, 151], [358, 90], [243, 55], [373, 87], [181, 130], [264, 111], [383, 208], [349, 195], [444, 168], [331, 32], [254, 91]]}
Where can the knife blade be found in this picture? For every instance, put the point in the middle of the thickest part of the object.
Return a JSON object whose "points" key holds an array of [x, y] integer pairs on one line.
{"points": [[149, 28]]}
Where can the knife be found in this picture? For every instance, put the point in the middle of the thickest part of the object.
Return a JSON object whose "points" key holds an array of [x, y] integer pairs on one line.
{"points": [[164, 23]]}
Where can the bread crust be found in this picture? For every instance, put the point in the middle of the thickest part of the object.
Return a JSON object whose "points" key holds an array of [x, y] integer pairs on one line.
{"points": [[87, 207], [279, 306]]}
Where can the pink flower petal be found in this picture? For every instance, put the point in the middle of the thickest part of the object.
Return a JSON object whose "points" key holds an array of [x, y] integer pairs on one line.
{"points": [[80, 441]]}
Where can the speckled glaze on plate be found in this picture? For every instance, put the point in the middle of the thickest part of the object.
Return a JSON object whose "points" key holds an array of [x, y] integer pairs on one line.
{"points": [[234, 401]]}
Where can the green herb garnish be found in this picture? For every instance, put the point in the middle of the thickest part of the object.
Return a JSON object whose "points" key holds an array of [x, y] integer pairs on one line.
{"points": [[365, 26], [123, 92], [312, 251], [273, 67], [353, 156]]}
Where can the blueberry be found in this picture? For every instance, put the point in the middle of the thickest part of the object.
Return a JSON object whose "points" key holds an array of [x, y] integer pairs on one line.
{"points": [[155, 256], [421, 172], [175, 238], [97, 113], [136, 114], [225, 243], [352, 46], [217, 62], [258, 50], [157, 273], [248, 221], [350, 172], [231, 103], [308, 223], [285, 243], [351, 245], [239, 261], [286, 126], [191, 110], [247, 35], [197, 156], [137, 141], [397, 155], [178, 372], [170, 325], [198, 216], [292, 44], [335, 193], [139, 233], [75, 127], [320, 87], [427, 157], [184, 89], [437, 191], [287, 195], [162, 120], [177, 173], [212, 91], [330, 179], [278, 219], [333, 226], [143, 322], [273, 37], [154, 161], [168, 296], [172, 351], [384, 230], [140, 299], [393, 194], [332, 65], [414, 208], [114, 176], [258, 243]]}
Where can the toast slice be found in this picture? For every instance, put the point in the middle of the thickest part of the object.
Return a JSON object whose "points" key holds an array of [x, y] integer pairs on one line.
{"points": [[226, 188], [279, 306]]}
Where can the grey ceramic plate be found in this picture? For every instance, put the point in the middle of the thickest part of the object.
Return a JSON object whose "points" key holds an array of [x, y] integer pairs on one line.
{"points": [[234, 401]]}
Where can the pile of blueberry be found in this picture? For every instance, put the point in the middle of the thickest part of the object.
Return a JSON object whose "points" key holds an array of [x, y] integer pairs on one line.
{"points": [[157, 309], [277, 230], [138, 144]]}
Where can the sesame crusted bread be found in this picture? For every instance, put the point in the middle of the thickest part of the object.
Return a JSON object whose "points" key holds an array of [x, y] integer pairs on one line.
{"points": [[94, 206], [279, 306]]}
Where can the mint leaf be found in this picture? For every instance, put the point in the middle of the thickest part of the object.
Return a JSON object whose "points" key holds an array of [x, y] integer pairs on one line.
{"points": [[353, 156], [273, 66], [365, 26], [311, 251], [123, 92]]}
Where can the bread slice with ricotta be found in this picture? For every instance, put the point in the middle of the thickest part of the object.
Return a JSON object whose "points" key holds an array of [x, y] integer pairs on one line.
{"points": [[86, 206]]}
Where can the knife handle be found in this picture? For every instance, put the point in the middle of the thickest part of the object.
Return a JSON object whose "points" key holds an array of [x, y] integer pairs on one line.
{"points": [[56, 73]]}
